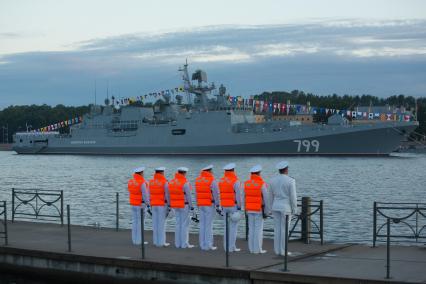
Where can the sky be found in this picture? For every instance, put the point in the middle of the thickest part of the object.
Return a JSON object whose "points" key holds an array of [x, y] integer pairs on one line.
{"points": [[57, 51]]}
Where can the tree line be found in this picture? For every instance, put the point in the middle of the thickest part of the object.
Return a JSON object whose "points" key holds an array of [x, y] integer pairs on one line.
{"points": [[19, 118]]}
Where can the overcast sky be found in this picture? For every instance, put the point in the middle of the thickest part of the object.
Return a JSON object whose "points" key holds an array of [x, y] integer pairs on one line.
{"points": [[53, 51]]}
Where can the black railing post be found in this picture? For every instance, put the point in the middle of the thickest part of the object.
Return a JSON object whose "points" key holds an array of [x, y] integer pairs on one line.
{"points": [[417, 222], [322, 222], [116, 212], [286, 243], [227, 239], [69, 227], [62, 207], [306, 216], [388, 249], [142, 232], [6, 242], [374, 223], [247, 226], [13, 205]]}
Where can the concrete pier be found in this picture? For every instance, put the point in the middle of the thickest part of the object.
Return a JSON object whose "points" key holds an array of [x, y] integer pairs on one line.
{"points": [[38, 252]]}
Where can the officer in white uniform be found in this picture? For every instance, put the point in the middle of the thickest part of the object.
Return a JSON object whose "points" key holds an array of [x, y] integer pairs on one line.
{"points": [[207, 215], [159, 215], [136, 210], [284, 202], [234, 212], [255, 218], [182, 214]]}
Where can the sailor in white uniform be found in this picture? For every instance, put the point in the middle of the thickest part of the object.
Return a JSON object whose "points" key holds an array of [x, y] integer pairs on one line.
{"points": [[283, 197], [207, 197], [230, 201], [158, 187], [255, 199], [177, 188]]}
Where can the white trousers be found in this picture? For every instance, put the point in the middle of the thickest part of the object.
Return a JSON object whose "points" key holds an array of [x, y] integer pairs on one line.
{"points": [[279, 231], [136, 225], [255, 237], [158, 225], [206, 227], [233, 226], [182, 227]]}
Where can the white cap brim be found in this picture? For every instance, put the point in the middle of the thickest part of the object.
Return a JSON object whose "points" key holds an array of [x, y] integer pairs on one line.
{"points": [[209, 167], [230, 166], [182, 169], [256, 169], [282, 165], [139, 170], [161, 169]]}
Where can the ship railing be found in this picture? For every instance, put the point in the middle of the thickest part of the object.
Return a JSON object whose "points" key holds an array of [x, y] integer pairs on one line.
{"points": [[408, 222], [307, 224], [3, 222], [38, 204]]}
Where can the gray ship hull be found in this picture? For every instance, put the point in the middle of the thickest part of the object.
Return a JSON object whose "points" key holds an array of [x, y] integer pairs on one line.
{"points": [[322, 140]]}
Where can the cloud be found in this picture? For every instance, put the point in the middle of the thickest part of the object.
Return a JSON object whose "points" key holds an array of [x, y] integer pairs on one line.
{"points": [[348, 56]]}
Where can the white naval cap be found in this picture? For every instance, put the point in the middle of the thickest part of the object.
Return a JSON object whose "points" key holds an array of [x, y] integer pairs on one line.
{"points": [[256, 169], [229, 166], [139, 170], [282, 165], [206, 168], [182, 169], [160, 169]]}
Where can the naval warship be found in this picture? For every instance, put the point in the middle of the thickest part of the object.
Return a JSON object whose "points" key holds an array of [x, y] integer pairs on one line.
{"points": [[203, 123]]}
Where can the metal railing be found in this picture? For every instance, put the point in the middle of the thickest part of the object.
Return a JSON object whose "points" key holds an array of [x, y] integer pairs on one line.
{"points": [[3, 221], [410, 219], [308, 224], [40, 204]]}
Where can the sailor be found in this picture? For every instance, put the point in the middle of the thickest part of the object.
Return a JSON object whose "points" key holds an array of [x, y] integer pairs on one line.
{"points": [[179, 192], [138, 196], [207, 197], [255, 200], [284, 203], [230, 201], [159, 204]]}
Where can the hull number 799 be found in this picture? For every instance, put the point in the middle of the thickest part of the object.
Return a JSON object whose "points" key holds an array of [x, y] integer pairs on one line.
{"points": [[307, 145]]}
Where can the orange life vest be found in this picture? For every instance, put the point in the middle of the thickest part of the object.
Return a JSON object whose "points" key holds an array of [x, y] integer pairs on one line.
{"points": [[226, 188], [135, 192], [203, 188], [177, 194], [253, 193], [156, 190]]}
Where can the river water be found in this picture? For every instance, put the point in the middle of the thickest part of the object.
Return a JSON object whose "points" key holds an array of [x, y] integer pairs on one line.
{"points": [[348, 186]]}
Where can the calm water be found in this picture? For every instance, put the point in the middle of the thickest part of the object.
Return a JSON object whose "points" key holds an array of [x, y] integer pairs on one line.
{"points": [[347, 185]]}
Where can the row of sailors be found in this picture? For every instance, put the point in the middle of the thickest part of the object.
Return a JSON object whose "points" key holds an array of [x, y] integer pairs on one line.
{"points": [[226, 195]]}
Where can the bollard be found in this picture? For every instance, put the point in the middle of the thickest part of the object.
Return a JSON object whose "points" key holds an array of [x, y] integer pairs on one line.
{"points": [[5, 224], [306, 219], [388, 249], [69, 227], [226, 239], [374, 223], [116, 212], [286, 243], [247, 226], [142, 233]]}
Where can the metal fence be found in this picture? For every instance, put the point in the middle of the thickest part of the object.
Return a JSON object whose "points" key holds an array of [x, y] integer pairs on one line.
{"points": [[3, 221], [40, 204], [408, 220], [308, 224]]}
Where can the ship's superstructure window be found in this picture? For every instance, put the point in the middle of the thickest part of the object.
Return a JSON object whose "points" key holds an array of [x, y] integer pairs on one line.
{"points": [[178, 131]]}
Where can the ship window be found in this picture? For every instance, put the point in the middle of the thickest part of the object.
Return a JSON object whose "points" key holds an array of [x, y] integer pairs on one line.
{"points": [[31, 141], [20, 140], [178, 131]]}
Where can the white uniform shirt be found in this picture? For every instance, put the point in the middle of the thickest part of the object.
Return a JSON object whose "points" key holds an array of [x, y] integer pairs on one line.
{"points": [[283, 196], [145, 193]]}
